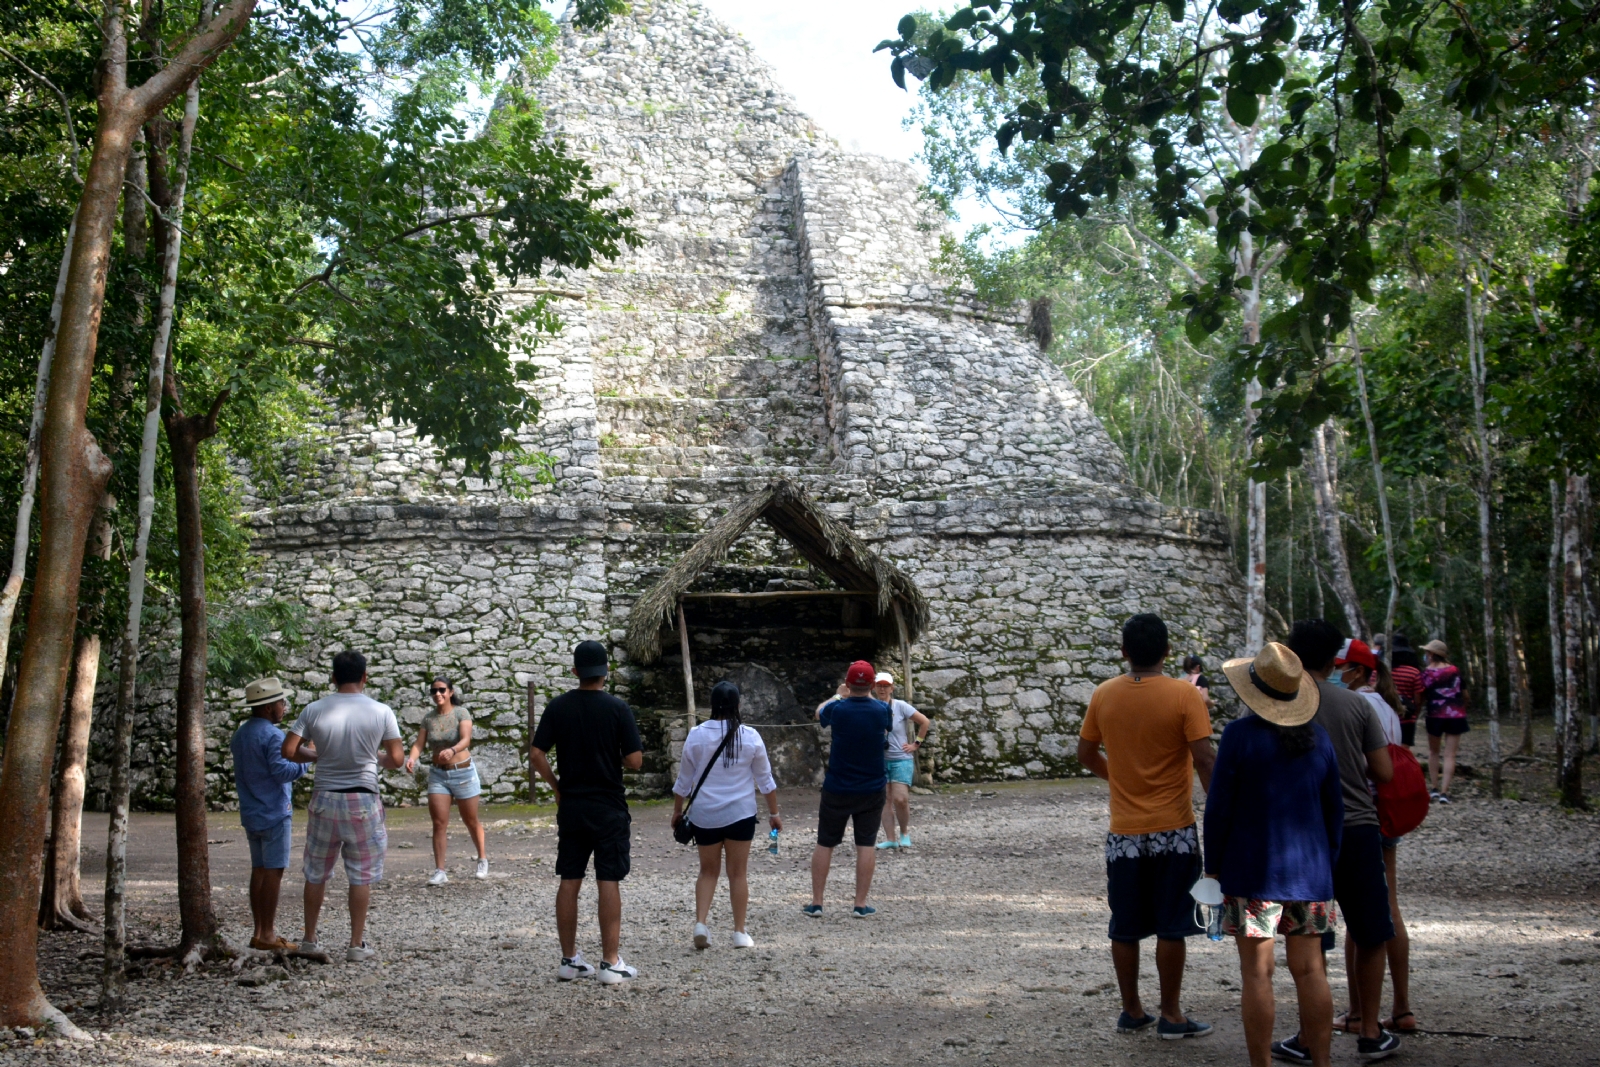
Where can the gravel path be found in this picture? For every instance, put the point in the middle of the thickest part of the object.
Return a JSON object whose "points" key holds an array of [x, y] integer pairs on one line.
{"points": [[989, 946]]}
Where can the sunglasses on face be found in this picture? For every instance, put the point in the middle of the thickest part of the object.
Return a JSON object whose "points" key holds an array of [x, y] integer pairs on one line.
{"points": [[436, 692]]}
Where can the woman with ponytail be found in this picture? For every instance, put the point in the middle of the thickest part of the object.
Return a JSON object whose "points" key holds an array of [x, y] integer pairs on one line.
{"points": [[723, 812]]}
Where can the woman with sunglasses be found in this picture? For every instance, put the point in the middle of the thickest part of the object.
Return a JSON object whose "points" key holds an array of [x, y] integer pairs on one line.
{"points": [[448, 734]]}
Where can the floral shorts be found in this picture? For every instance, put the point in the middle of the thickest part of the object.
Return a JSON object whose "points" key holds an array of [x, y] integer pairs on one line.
{"points": [[1263, 918]]}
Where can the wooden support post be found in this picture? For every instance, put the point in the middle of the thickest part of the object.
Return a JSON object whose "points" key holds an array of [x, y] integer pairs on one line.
{"points": [[688, 670], [905, 652]]}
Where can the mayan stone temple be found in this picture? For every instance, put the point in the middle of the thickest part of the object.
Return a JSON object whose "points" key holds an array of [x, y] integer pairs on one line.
{"points": [[782, 442]]}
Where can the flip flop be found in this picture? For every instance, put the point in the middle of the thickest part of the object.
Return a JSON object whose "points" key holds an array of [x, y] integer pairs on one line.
{"points": [[1395, 1023], [1350, 1024]]}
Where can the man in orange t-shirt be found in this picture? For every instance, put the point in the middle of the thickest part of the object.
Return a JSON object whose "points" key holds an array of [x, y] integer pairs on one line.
{"points": [[1156, 733]]}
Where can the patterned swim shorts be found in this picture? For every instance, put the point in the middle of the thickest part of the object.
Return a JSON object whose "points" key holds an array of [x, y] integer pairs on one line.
{"points": [[347, 824], [1263, 918]]}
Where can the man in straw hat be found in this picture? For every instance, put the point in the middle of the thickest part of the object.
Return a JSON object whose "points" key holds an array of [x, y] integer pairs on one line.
{"points": [[265, 781], [1360, 882], [1157, 736], [1274, 815]]}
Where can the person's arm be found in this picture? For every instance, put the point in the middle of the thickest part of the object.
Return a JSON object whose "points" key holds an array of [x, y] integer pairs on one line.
{"points": [[541, 766], [1205, 759], [1380, 768], [292, 744], [391, 757], [772, 809], [688, 775], [1333, 805], [632, 746], [634, 760], [1219, 807], [283, 771], [922, 724], [463, 746], [416, 749], [1092, 760]]}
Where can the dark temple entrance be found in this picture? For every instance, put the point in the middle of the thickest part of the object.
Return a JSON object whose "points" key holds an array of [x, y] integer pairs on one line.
{"points": [[786, 648]]}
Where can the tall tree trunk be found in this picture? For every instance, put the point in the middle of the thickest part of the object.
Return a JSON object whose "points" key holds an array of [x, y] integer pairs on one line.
{"points": [[1288, 543], [185, 434], [1521, 691], [113, 979], [61, 903], [30, 467], [1591, 660], [1484, 490], [1571, 773], [72, 478], [1326, 494], [1558, 654], [1378, 485]]}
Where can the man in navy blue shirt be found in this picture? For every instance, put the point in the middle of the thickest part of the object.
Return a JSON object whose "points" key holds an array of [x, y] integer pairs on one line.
{"points": [[853, 790], [265, 780]]}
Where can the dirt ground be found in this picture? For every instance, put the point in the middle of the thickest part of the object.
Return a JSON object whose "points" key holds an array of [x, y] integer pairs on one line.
{"points": [[989, 946]]}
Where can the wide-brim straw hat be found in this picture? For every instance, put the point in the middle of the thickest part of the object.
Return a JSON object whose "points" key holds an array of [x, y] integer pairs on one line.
{"points": [[1438, 648], [1275, 686], [263, 691]]}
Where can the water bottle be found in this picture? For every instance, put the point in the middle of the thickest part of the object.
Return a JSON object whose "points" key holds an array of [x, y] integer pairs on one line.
{"points": [[1208, 906], [772, 842]]}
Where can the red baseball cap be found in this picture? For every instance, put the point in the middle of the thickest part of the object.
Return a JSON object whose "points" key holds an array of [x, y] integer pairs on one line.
{"points": [[861, 675], [1356, 651]]}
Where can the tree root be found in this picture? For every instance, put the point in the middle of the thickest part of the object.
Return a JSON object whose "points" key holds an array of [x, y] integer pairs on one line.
{"points": [[45, 1013], [64, 919]]}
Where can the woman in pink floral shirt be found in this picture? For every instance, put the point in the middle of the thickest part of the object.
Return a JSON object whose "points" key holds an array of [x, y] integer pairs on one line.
{"points": [[1444, 702]]}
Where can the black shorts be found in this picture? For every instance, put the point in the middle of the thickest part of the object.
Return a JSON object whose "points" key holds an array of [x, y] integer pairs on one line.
{"points": [[1361, 886], [585, 828], [1408, 732], [1148, 882], [743, 830], [864, 812], [1438, 727]]}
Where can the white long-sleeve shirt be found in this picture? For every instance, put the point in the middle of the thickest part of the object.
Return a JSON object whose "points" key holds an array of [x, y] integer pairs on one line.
{"points": [[730, 790]]}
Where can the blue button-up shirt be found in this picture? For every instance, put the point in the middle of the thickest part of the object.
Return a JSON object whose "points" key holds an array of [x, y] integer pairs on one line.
{"points": [[264, 777]]}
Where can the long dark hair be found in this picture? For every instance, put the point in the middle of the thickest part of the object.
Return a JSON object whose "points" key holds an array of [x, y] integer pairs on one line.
{"points": [[1296, 740], [725, 707], [455, 697]]}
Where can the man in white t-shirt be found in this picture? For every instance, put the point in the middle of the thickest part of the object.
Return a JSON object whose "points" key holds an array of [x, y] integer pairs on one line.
{"points": [[899, 759], [354, 735]]}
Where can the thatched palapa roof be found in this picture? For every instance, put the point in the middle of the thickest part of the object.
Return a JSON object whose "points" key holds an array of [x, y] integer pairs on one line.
{"points": [[827, 543]]}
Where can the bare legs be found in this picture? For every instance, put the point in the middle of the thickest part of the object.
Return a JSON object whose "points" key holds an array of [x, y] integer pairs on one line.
{"points": [[705, 886], [899, 810], [1170, 956], [1399, 946], [1396, 953], [610, 917], [1449, 744], [360, 898], [1259, 1009], [439, 812], [265, 883], [866, 864]]}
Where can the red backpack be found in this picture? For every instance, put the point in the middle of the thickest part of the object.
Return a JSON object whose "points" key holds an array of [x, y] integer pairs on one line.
{"points": [[1403, 799]]}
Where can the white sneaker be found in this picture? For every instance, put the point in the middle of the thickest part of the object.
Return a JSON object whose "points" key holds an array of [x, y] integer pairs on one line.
{"points": [[743, 940], [359, 953], [616, 973], [483, 869], [574, 967], [702, 936], [438, 877]]}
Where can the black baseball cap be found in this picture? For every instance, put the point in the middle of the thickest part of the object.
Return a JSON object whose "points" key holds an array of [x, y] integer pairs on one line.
{"points": [[589, 660]]}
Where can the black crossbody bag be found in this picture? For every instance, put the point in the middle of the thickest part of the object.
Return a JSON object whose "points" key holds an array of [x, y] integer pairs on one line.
{"points": [[683, 829]]}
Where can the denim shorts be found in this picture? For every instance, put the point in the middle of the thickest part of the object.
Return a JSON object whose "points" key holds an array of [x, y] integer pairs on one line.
{"points": [[899, 770], [269, 848], [462, 783]]}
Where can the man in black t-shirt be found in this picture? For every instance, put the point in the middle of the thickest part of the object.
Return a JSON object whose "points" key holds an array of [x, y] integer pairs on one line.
{"points": [[595, 737]]}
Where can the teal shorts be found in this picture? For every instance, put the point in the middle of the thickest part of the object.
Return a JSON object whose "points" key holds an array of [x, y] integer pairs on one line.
{"points": [[899, 770]]}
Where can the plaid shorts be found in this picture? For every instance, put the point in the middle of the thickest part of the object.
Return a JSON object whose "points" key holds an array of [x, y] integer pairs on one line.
{"points": [[1263, 918], [348, 824]]}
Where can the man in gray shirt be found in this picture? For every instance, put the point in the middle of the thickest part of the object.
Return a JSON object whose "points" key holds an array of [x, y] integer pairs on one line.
{"points": [[1360, 884], [354, 735]]}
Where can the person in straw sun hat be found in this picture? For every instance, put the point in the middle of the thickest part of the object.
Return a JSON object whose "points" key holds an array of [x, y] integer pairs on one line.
{"points": [[1274, 817], [1444, 705], [265, 781]]}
